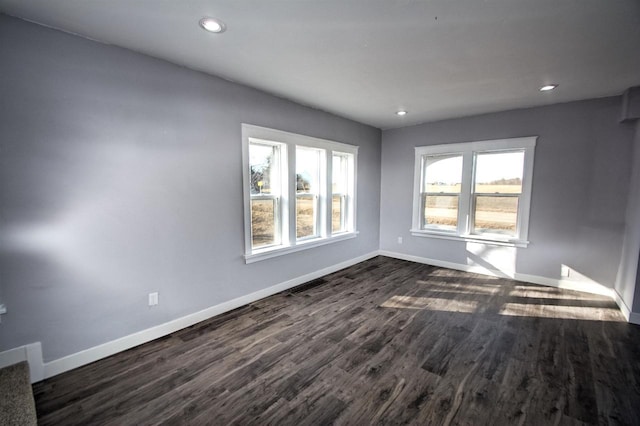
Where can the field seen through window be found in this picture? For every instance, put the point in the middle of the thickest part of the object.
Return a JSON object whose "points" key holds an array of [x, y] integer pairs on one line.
{"points": [[496, 210], [263, 224]]}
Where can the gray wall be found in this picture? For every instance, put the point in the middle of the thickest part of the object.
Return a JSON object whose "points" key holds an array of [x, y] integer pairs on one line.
{"points": [[120, 175], [580, 188], [627, 281], [630, 261]]}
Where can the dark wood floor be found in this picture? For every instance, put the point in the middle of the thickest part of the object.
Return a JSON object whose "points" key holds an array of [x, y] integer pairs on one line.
{"points": [[383, 342]]}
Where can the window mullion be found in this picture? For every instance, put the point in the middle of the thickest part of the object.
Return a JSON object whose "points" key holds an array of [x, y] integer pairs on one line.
{"points": [[524, 201], [423, 204], [291, 196], [418, 191], [519, 215], [352, 188], [344, 212], [324, 207], [465, 202]]}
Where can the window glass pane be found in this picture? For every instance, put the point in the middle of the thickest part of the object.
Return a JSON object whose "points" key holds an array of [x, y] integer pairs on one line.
{"points": [[263, 222], [340, 190], [339, 171], [305, 216], [441, 210], [499, 172], [443, 173], [262, 165], [496, 214], [307, 170], [307, 189], [337, 213]]}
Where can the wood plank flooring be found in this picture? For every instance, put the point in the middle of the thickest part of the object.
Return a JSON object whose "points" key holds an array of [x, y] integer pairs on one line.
{"points": [[383, 342]]}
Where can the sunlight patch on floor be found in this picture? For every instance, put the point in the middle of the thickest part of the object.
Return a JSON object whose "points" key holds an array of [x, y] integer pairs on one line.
{"points": [[550, 293], [534, 310], [431, 303], [561, 312], [463, 288]]}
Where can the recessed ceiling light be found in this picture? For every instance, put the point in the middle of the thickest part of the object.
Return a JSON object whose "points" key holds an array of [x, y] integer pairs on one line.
{"points": [[212, 25], [401, 113], [548, 87]]}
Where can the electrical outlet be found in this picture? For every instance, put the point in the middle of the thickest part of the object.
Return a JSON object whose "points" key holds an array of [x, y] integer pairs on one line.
{"points": [[153, 298], [399, 240], [564, 271]]}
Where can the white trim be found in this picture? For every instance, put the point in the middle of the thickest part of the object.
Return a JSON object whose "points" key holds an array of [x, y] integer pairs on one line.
{"points": [[587, 287], [281, 198], [39, 370], [12, 356], [524, 202], [302, 245], [465, 203], [468, 150], [629, 315], [36, 363], [417, 188], [493, 240], [286, 217], [32, 353], [104, 350], [484, 145], [626, 312], [281, 136]]}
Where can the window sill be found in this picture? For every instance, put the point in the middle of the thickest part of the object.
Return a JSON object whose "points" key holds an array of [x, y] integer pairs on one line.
{"points": [[493, 240], [302, 245]]}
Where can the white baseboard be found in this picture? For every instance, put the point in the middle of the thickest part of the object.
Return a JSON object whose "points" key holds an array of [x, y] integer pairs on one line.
{"points": [[626, 312], [589, 287], [104, 350], [32, 353], [585, 286], [39, 370]]}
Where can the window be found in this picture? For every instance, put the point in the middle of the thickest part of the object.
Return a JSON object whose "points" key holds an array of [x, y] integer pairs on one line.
{"points": [[307, 192], [474, 191], [299, 192], [266, 193], [497, 192], [341, 192], [441, 191]]}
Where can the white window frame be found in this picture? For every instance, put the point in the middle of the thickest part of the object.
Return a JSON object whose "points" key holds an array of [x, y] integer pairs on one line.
{"points": [[464, 230], [286, 221], [316, 195], [347, 204], [278, 193]]}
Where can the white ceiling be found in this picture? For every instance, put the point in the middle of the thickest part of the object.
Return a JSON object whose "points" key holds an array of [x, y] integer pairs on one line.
{"points": [[365, 59]]}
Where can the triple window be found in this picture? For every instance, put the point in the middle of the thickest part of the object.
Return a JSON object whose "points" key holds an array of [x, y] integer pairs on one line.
{"points": [[474, 191], [299, 191]]}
